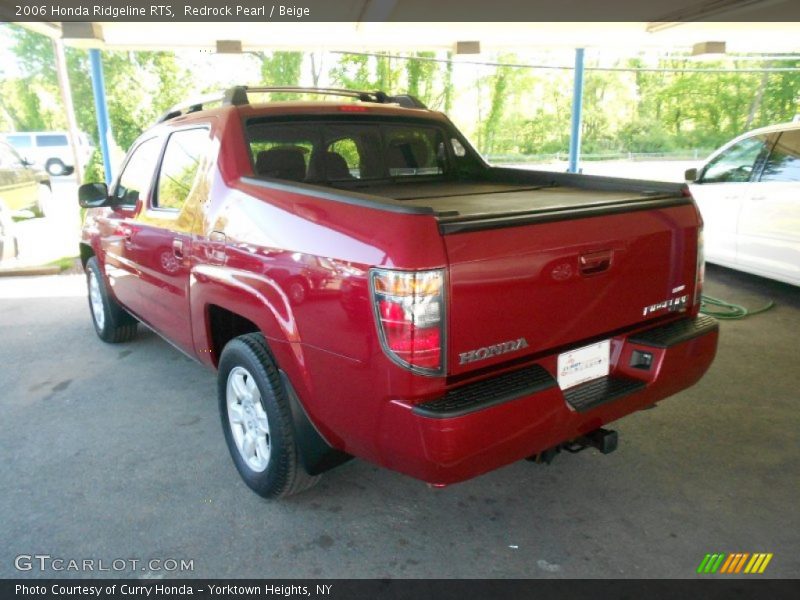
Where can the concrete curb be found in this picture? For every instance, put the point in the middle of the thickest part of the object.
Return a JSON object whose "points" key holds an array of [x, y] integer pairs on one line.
{"points": [[21, 271]]}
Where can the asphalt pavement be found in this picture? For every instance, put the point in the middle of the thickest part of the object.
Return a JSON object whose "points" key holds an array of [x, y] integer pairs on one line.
{"points": [[116, 453]]}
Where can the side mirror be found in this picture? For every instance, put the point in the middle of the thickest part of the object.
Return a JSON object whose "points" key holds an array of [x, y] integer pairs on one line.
{"points": [[690, 174], [26, 163], [93, 195]]}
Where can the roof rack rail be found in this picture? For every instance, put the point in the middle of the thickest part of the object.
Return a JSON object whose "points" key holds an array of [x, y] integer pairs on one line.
{"points": [[238, 96]]}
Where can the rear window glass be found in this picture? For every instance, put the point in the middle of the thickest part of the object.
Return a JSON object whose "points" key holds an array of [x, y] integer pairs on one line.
{"points": [[341, 152], [51, 140]]}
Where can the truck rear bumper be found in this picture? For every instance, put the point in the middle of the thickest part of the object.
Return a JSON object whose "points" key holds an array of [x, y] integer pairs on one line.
{"points": [[484, 425]]}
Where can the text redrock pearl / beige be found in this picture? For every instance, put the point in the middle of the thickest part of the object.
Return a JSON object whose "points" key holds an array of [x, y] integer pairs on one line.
{"points": [[247, 11]]}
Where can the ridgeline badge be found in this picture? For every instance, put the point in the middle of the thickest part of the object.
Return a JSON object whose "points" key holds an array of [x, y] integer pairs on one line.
{"points": [[673, 304]]}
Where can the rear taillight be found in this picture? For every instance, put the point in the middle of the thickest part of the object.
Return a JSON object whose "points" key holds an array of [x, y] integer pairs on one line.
{"points": [[700, 273], [409, 309]]}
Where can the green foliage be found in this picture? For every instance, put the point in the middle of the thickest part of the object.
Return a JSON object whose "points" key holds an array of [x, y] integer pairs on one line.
{"points": [[352, 72], [420, 75], [94, 168], [281, 69], [139, 86], [508, 110]]}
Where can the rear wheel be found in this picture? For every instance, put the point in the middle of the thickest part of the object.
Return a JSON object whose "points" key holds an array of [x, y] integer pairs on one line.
{"points": [[257, 420], [56, 167], [111, 322]]}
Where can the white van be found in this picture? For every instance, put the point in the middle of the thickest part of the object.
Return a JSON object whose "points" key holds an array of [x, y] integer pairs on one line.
{"points": [[50, 150]]}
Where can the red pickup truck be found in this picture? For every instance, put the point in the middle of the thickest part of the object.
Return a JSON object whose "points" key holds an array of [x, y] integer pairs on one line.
{"points": [[366, 285]]}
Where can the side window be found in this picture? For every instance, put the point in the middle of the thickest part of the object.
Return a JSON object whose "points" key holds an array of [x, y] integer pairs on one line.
{"points": [[19, 141], [134, 182], [181, 168], [50, 140], [783, 163], [735, 164]]}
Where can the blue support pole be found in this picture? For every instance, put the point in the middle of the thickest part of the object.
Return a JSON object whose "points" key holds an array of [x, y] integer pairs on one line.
{"points": [[101, 108], [577, 119]]}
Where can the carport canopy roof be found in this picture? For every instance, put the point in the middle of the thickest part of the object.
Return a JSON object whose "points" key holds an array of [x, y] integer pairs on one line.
{"points": [[746, 26]]}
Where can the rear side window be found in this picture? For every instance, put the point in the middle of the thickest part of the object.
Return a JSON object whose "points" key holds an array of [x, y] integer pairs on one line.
{"points": [[51, 140], [736, 164], [783, 163], [181, 168], [134, 182], [19, 141]]}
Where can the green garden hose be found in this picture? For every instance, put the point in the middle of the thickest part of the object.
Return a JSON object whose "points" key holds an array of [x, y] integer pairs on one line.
{"points": [[720, 309]]}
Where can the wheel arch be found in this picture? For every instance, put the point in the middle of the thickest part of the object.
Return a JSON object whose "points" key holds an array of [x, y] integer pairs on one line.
{"points": [[226, 303], [86, 252], [316, 454]]}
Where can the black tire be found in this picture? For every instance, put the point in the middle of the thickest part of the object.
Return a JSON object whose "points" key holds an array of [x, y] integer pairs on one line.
{"points": [[55, 167], [284, 474], [117, 325]]}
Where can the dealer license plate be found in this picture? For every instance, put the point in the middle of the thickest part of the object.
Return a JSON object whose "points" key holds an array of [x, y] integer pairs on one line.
{"points": [[583, 364]]}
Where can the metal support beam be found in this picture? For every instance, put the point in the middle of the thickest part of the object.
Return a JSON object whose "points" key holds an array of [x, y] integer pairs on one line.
{"points": [[69, 107], [577, 119], [101, 108]]}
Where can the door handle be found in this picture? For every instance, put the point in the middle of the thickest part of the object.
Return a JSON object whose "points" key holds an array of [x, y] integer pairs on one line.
{"points": [[595, 262], [758, 198], [126, 232], [216, 250], [177, 248]]}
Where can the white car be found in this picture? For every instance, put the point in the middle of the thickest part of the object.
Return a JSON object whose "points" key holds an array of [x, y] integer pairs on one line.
{"points": [[748, 192], [50, 150]]}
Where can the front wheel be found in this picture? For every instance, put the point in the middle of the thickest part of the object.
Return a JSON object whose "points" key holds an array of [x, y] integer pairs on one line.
{"points": [[111, 322], [257, 421]]}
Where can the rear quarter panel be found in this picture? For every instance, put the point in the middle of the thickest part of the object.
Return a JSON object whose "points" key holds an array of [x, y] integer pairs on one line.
{"points": [[327, 343]]}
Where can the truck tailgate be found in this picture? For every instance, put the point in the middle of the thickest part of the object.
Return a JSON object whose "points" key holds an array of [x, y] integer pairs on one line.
{"points": [[558, 283]]}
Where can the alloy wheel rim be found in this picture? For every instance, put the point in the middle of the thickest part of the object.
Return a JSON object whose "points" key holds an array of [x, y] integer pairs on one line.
{"points": [[247, 419], [96, 301]]}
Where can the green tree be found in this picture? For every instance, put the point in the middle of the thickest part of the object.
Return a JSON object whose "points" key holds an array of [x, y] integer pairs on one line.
{"points": [[281, 69], [420, 76], [352, 71], [139, 87]]}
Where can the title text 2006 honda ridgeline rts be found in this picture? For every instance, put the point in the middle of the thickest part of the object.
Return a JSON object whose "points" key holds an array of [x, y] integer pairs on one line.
{"points": [[366, 285]]}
